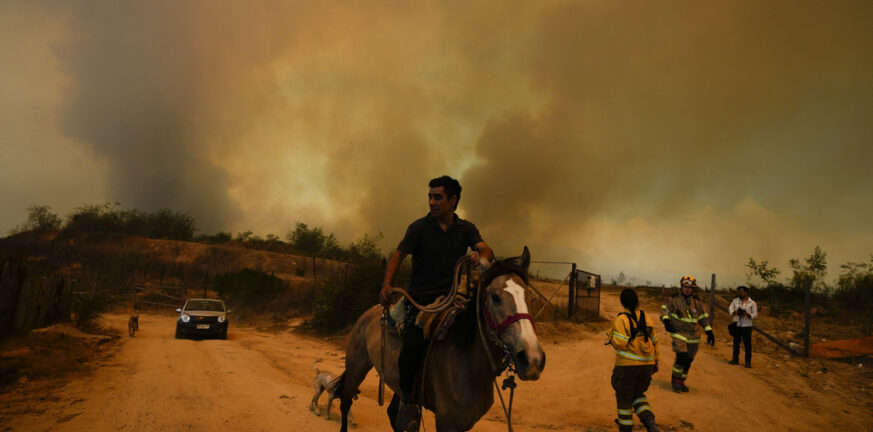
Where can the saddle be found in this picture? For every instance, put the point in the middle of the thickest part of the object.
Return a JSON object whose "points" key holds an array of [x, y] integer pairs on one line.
{"points": [[434, 325]]}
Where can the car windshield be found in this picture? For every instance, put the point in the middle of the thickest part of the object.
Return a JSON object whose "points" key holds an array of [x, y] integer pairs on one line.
{"points": [[205, 305]]}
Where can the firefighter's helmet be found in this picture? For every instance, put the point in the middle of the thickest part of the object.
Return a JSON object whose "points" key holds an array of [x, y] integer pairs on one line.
{"points": [[689, 281]]}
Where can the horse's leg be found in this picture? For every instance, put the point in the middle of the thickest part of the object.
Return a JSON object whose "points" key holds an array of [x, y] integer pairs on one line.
{"points": [[392, 411], [446, 424], [358, 364]]}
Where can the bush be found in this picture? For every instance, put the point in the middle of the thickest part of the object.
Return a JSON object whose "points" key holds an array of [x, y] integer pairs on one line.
{"points": [[218, 238], [855, 284], [106, 218], [88, 306], [41, 219], [339, 303], [248, 288]]}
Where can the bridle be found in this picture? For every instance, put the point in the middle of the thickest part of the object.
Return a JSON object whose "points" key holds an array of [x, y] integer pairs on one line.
{"points": [[506, 358], [499, 328]]}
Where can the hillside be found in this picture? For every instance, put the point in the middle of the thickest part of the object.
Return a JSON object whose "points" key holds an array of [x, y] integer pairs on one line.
{"points": [[115, 259]]}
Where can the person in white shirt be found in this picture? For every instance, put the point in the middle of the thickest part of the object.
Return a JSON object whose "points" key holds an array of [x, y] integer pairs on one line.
{"points": [[744, 310]]}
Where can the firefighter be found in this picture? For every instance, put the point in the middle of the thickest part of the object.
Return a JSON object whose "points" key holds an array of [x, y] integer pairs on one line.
{"points": [[636, 359], [681, 314]]}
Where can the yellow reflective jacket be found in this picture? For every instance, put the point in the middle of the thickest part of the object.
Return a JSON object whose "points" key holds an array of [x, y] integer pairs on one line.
{"points": [[636, 350], [686, 315]]}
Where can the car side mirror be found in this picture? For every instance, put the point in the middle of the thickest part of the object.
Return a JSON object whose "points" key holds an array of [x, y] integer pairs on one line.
{"points": [[178, 310]]}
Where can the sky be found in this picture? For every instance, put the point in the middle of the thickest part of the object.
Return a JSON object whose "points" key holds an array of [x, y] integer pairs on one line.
{"points": [[654, 139]]}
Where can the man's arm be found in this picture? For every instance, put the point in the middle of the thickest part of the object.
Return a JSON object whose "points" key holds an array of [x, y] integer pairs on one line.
{"points": [[390, 269], [483, 251]]}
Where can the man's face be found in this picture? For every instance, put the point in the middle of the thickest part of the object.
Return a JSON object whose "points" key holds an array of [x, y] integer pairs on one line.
{"points": [[686, 290], [440, 205], [742, 293]]}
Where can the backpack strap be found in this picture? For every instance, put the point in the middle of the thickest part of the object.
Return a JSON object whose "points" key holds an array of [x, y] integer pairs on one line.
{"points": [[635, 326]]}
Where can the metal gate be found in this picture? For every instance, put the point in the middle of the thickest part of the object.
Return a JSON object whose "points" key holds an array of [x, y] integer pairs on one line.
{"points": [[586, 286]]}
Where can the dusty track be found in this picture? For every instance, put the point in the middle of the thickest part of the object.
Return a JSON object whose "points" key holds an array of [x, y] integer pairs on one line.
{"points": [[258, 381]]}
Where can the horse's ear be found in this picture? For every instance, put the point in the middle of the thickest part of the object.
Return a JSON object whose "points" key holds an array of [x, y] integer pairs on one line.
{"points": [[524, 260]]}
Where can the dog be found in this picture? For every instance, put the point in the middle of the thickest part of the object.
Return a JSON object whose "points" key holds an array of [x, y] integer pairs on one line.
{"points": [[133, 324], [323, 382]]}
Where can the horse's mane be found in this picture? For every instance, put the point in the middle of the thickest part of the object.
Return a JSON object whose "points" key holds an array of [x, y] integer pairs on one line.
{"points": [[464, 329], [502, 267]]}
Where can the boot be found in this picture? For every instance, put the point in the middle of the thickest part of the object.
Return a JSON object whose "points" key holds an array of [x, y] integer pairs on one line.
{"points": [[408, 417], [623, 428], [649, 422], [734, 361], [682, 386], [677, 385]]}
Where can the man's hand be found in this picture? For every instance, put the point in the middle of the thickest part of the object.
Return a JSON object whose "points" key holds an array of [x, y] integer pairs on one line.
{"points": [[655, 369], [669, 326], [474, 258], [710, 337], [383, 295]]}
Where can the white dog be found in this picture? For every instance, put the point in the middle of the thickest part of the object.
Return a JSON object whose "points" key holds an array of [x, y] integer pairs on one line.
{"points": [[322, 382]]}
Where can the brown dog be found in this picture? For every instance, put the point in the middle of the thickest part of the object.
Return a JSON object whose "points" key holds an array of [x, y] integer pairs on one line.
{"points": [[133, 324]]}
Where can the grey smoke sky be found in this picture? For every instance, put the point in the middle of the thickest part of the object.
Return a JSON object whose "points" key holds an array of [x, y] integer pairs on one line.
{"points": [[650, 138]]}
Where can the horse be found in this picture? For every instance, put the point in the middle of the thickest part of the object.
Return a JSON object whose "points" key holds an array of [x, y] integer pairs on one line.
{"points": [[459, 370]]}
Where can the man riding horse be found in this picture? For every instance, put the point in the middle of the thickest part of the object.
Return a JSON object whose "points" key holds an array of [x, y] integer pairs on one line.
{"points": [[436, 242]]}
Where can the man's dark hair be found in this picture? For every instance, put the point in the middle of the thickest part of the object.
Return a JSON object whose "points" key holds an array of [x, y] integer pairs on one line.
{"points": [[744, 288], [450, 185], [629, 299]]}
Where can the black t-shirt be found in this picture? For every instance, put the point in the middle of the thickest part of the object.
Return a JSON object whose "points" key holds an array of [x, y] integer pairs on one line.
{"points": [[434, 254]]}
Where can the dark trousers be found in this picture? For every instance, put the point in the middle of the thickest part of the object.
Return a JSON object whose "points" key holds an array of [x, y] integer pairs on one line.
{"points": [[409, 362], [744, 334], [630, 384]]}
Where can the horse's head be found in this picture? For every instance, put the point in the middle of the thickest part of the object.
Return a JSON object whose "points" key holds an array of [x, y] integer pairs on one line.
{"points": [[505, 309]]}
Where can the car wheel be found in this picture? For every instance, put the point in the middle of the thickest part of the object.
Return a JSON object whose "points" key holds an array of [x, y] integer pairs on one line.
{"points": [[223, 335], [178, 333]]}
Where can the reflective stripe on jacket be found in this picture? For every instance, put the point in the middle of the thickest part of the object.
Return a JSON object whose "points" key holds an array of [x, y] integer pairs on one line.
{"points": [[686, 315], [634, 352]]}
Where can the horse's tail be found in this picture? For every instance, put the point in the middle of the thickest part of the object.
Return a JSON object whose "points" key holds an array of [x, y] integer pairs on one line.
{"points": [[335, 388]]}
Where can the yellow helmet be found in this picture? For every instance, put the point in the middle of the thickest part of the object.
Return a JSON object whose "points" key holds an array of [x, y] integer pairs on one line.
{"points": [[688, 280]]}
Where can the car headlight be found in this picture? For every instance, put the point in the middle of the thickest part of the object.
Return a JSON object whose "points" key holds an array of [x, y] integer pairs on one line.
{"points": [[185, 318], [221, 318]]}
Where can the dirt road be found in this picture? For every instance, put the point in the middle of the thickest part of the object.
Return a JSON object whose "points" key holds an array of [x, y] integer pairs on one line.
{"points": [[259, 381]]}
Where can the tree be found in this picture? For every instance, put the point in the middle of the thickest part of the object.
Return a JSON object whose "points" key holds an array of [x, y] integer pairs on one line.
{"points": [[815, 267], [621, 278], [40, 218], [762, 270], [855, 284], [310, 241]]}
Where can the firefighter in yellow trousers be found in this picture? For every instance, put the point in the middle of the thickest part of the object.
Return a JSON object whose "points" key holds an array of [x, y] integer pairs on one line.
{"points": [[681, 314], [636, 359]]}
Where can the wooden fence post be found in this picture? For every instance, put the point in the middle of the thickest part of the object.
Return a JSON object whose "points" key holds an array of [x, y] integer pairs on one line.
{"points": [[571, 298], [712, 302], [807, 282]]}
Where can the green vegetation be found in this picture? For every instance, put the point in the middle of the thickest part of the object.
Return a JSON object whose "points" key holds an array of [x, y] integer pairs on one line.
{"points": [[853, 290], [248, 288], [855, 284], [88, 306], [108, 218], [40, 218], [339, 303]]}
